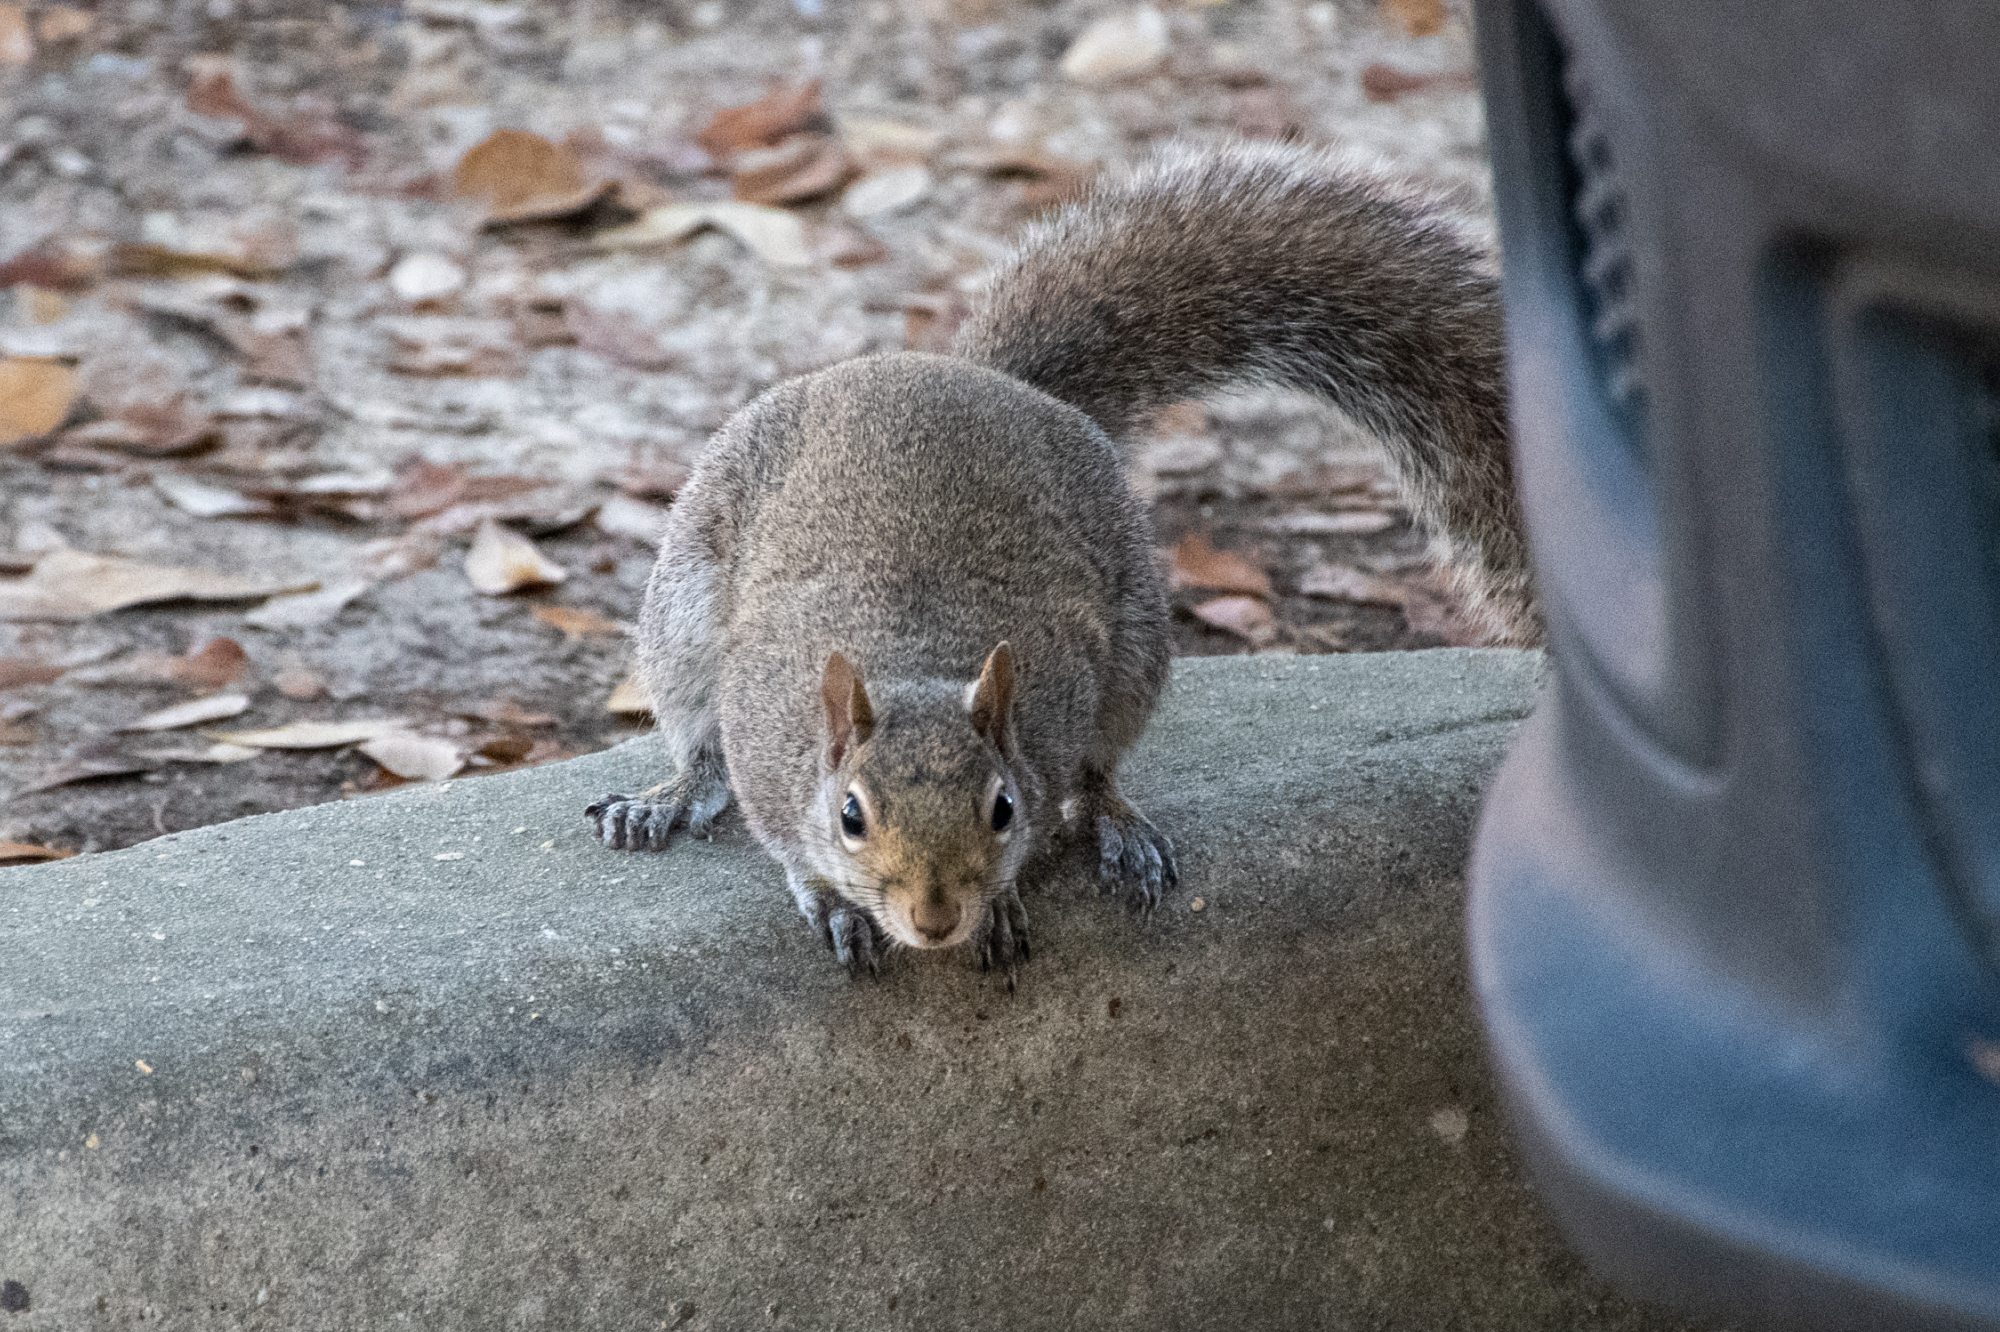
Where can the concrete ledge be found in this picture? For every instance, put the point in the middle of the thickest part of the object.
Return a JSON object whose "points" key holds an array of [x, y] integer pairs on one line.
{"points": [[436, 1058]]}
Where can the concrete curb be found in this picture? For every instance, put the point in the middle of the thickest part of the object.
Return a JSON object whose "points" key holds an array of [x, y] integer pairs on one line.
{"points": [[436, 1058]]}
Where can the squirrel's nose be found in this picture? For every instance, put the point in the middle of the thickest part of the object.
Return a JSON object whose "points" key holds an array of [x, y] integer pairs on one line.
{"points": [[934, 921]]}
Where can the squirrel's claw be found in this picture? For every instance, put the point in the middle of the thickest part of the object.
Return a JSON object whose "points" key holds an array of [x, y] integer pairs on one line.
{"points": [[1137, 858], [1004, 942], [633, 823], [851, 934]]}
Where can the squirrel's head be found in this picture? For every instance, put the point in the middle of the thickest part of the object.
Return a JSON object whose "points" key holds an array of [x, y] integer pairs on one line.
{"points": [[924, 819]]}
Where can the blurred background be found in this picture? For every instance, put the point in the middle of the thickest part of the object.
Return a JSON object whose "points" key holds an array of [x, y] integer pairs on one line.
{"points": [[350, 356]]}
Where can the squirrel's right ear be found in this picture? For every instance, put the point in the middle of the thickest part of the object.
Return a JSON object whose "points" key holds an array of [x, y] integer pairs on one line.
{"points": [[849, 719]]}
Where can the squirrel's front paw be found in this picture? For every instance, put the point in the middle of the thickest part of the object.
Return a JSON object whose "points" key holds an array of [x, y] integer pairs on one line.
{"points": [[1135, 857], [1004, 941], [646, 822], [852, 935]]}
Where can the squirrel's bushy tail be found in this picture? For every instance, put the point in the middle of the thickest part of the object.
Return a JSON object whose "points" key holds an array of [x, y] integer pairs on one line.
{"points": [[1276, 264]]}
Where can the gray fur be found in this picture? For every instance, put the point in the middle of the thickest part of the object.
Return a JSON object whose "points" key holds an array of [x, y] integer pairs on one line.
{"points": [[1281, 265], [912, 512]]}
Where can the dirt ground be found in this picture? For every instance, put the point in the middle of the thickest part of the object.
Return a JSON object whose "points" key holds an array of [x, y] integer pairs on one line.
{"points": [[257, 323]]}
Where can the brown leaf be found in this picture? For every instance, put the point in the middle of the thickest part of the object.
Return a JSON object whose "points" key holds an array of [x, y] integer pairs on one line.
{"points": [[1386, 83], [543, 322], [27, 853], [61, 23], [507, 712], [139, 260], [18, 673], [218, 662], [164, 430], [434, 346], [509, 748], [1044, 180], [52, 268], [309, 135], [17, 47], [1416, 18], [802, 168], [1197, 563], [777, 115], [1246, 617], [576, 623], [36, 394], [848, 248], [501, 561], [1265, 113], [617, 337], [931, 319], [651, 477], [524, 177]]}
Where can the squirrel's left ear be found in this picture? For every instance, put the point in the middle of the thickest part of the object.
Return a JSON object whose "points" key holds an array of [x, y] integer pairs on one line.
{"points": [[849, 718], [992, 704]]}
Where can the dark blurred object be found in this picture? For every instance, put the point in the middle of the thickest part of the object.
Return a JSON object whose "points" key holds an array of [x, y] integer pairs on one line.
{"points": [[1736, 909]]}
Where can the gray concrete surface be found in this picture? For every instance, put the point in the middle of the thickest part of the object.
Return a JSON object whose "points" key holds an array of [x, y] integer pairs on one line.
{"points": [[434, 1058]]}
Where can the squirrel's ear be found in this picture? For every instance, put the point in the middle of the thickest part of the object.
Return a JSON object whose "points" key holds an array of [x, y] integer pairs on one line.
{"points": [[992, 703], [849, 719]]}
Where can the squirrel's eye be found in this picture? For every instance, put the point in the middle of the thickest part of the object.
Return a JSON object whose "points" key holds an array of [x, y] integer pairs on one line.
{"points": [[1003, 811], [851, 821]]}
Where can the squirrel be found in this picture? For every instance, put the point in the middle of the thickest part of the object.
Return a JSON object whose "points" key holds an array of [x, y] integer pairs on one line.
{"points": [[907, 610]]}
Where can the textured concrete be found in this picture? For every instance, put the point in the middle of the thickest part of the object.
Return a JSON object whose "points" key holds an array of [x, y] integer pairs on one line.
{"points": [[434, 1057]]}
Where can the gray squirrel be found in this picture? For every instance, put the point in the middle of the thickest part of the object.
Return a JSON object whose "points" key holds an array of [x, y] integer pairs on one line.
{"points": [[907, 611]]}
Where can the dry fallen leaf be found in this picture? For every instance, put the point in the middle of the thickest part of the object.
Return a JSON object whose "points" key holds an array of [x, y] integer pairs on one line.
{"points": [[36, 393], [507, 712], [1340, 583], [432, 346], [84, 768], [62, 23], [214, 708], [220, 662], [1246, 617], [17, 47], [648, 476], [772, 234], [163, 430], [310, 134], [313, 735], [802, 168], [617, 337], [1197, 563], [16, 672], [1386, 83], [620, 516], [216, 753], [629, 698], [501, 561], [417, 758], [298, 682], [886, 192], [1118, 46], [1416, 18], [777, 115], [70, 585], [576, 623], [206, 501], [307, 608], [52, 266], [27, 853], [524, 177]]}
